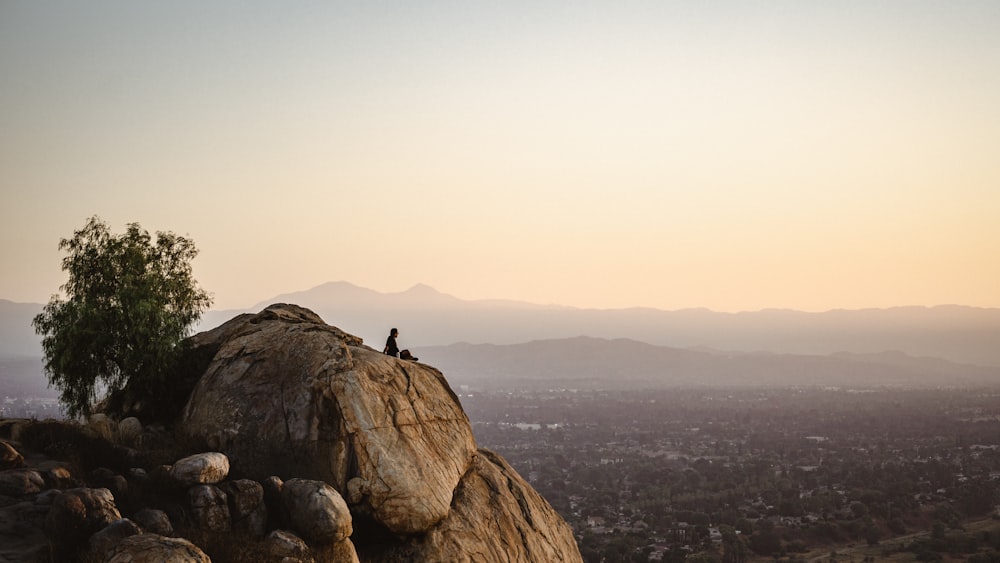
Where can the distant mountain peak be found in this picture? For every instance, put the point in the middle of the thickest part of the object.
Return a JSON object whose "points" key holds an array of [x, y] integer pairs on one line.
{"points": [[422, 290], [339, 284]]}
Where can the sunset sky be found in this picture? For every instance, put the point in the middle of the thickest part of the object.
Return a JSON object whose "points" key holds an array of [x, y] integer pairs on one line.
{"points": [[728, 155]]}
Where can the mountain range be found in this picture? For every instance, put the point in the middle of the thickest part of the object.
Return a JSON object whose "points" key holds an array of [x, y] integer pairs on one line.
{"points": [[595, 363], [426, 317], [947, 343]]}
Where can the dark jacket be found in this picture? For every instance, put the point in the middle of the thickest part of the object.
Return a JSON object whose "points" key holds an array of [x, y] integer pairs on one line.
{"points": [[390, 346]]}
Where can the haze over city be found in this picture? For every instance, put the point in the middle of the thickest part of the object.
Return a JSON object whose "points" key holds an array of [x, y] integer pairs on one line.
{"points": [[734, 156]]}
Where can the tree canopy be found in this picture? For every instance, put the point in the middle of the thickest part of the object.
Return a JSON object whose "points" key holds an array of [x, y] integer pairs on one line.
{"points": [[129, 301]]}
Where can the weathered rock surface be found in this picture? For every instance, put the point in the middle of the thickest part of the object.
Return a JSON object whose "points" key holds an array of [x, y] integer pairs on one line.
{"points": [[21, 532], [246, 506], [75, 515], [154, 521], [105, 540], [201, 469], [316, 511], [497, 516], [10, 458], [130, 431], [377, 455], [286, 394], [210, 508], [20, 482], [281, 544], [151, 548]]}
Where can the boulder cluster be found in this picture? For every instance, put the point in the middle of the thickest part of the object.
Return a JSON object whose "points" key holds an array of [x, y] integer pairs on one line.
{"points": [[49, 514], [313, 447]]}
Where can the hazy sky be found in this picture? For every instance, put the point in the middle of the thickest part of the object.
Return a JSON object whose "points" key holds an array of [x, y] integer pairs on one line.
{"points": [[729, 155]]}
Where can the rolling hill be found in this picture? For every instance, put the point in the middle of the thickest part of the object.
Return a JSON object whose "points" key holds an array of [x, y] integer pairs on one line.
{"points": [[594, 363]]}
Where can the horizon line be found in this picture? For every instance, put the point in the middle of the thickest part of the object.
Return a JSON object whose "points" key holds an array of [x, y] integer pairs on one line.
{"points": [[423, 286]]}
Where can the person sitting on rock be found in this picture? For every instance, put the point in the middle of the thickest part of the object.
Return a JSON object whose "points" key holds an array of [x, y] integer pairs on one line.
{"points": [[392, 349]]}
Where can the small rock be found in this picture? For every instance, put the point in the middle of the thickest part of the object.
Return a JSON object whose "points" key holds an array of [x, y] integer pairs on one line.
{"points": [[130, 431], [154, 521], [316, 510], [101, 425], [10, 458], [201, 469], [210, 508], [59, 477], [246, 506], [46, 498], [107, 479], [75, 515], [20, 482], [281, 544], [151, 548], [105, 540], [272, 499]]}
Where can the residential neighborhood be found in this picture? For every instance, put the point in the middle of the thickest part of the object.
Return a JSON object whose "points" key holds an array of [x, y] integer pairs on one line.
{"points": [[738, 474]]}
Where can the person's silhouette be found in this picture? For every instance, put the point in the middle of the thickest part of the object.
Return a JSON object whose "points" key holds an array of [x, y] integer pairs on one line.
{"points": [[391, 348]]}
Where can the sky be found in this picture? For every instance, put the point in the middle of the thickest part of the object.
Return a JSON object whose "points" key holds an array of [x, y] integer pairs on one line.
{"points": [[729, 155]]}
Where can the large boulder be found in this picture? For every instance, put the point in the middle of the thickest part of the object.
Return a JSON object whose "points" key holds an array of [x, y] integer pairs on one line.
{"points": [[316, 511], [493, 502], [286, 394], [151, 548], [201, 469], [77, 514], [496, 516], [20, 482]]}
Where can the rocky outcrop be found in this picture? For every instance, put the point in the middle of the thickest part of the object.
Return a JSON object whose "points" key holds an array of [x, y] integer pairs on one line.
{"points": [[325, 450], [497, 516], [289, 395], [286, 394], [85, 523]]}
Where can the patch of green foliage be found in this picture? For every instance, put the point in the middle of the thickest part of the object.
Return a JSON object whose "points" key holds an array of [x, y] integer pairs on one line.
{"points": [[129, 302]]}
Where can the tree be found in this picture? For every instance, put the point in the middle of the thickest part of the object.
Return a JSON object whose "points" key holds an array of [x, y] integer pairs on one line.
{"points": [[766, 541], [129, 303]]}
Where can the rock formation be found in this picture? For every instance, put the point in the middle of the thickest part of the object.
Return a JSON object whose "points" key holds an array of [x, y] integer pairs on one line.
{"points": [[286, 394], [151, 548], [310, 447]]}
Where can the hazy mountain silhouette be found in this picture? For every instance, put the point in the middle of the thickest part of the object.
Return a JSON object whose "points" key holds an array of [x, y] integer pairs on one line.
{"points": [[594, 363], [427, 317]]}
